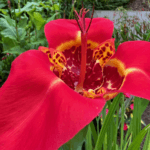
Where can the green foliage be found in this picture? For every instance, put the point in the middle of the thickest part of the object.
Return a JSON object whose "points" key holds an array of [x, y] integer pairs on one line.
{"points": [[22, 28], [110, 4], [77, 142], [111, 135], [5, 66]]}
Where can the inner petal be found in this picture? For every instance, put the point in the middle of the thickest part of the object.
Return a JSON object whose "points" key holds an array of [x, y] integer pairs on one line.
{"points": [[113, 75], [67, 63]]}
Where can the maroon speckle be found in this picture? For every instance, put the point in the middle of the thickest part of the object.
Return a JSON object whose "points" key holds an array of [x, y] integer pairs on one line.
{"points": [[104, 58], [89, 44], [57, 55], [49, 55], [103, 48], [111, 48], [108, 54], [63, 58], [60, 61], [100, 52], [96, 52], [47, 52], [107, 44]]}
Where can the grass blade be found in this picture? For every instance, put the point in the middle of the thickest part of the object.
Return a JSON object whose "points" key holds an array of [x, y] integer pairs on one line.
{"points": [[139, 138], [107, 121]]}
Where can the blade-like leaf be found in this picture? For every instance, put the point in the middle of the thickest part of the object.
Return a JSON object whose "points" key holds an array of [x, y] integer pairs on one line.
{"points": [[107, 121], [139, 138]]}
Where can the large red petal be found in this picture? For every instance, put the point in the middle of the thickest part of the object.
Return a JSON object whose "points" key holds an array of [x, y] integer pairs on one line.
{"points": [[134, 58], [37, 110], [64, 33]]}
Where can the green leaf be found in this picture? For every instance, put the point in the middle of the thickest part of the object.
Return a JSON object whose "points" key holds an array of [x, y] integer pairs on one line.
{"points": [[3, 11], [139, 138], [2, 5], [55, 7], [21, 33], [15, 50], [148, 37], [4, 23], [10, 32], [6, 40], [10, 21], [107, 121], [28, 6], [77, 141], [12, 47], [147, 143], [52, 17], [38, 20], [89, 139], [144, 103], [93, 130], [22, 22]]}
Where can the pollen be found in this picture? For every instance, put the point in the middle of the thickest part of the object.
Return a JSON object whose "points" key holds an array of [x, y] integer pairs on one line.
{"points": [[102, 90]]}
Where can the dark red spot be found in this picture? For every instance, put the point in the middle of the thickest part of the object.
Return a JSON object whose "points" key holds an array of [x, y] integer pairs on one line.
{"points": [[104, 58], [57, 55], [89, 44], [107, 44], [108, 54], [101, 52], [103, 48], [63, 58], [47, 52], [96, 52], [111, 48], [101, 56], [97, 57], [49, 55]]}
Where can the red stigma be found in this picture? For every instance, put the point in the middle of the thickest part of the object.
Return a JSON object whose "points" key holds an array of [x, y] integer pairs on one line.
{"points": [[80, 18]]}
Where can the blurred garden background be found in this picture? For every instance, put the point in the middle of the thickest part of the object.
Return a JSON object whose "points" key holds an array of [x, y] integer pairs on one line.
{"points": [[22, 28]]}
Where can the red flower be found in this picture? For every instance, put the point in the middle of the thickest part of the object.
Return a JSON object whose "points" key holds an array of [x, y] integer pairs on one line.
{"points": [[49, 97], [127, 95], [3, 58], [125, 127], [132, 106]]}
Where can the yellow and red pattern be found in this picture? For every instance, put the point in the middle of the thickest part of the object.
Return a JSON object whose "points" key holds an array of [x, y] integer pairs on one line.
{"points": [[104, 52]]}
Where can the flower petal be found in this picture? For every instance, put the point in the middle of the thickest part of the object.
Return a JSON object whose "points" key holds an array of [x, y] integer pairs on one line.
{"points": [[38, 110], [132, 61], [63, 34]]}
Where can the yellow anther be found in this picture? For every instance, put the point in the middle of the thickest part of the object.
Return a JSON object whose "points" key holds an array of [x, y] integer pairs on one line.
{"points": [[90, 93], [102, 90]]}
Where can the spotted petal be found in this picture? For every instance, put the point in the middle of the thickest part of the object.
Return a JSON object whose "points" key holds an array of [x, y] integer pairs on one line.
{"points": [[130, 69], [37, 109]]}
